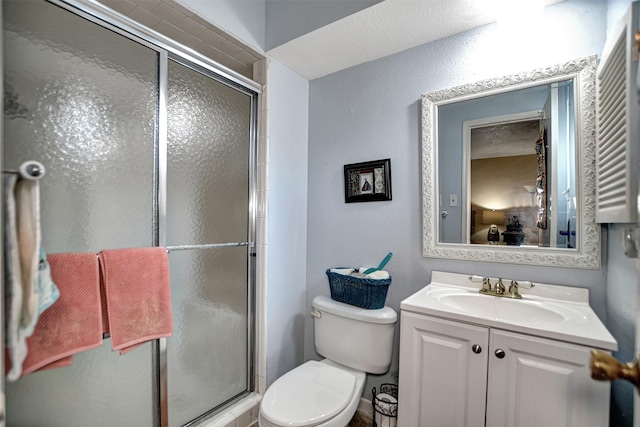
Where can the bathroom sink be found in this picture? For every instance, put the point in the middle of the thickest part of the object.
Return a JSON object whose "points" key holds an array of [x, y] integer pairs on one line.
{"points": [[530, 310], [517, 310], [551, 311]]}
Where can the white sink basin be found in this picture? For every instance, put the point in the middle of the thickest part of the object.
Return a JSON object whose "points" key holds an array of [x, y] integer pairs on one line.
{"points": [[558, 312], [517, 310]]}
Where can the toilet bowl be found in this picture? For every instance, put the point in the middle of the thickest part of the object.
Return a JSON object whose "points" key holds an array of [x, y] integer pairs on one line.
{"points": [[326, 393], [315, 394]]}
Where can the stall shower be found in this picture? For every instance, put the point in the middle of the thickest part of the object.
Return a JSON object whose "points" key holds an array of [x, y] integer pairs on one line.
{"points": [[144, 146]]}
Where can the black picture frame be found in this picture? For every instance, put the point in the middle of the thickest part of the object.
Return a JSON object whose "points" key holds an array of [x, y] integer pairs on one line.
{"points": [[367, 181]]}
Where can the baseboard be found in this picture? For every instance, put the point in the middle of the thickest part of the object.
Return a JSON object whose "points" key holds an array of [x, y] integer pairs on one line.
{"points": [[365, 408]]}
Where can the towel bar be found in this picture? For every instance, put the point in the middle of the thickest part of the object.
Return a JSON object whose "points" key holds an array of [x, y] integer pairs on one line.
{"points": [[209, 246]]}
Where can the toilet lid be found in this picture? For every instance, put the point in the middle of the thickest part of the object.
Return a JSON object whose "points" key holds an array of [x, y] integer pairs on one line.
{"points": [[309, 395]]}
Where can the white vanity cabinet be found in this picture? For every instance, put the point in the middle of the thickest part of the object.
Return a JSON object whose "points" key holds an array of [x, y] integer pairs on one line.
{"points": [[454, 373], [443, 382], [542, 382], [471, 360]]}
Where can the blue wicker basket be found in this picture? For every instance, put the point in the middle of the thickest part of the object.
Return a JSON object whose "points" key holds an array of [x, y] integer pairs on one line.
{"points": [[361, 292]]}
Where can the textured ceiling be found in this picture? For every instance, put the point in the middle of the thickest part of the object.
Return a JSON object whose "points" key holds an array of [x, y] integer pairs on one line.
{"points": [[505, 140], [381, 30]]}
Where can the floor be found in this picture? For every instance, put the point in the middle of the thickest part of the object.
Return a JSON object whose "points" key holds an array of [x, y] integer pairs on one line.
{"points": [[360, 420]]}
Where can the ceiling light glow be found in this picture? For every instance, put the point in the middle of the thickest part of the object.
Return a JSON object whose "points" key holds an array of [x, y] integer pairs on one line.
{"points": [[518, 13]]}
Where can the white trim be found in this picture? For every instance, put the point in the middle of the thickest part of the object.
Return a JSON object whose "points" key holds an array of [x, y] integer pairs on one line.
{"points": [[223, 419], [365, 407]]}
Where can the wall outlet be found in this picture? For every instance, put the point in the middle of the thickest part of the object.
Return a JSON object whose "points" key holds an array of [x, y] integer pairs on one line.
{"points": [[453, 200]]}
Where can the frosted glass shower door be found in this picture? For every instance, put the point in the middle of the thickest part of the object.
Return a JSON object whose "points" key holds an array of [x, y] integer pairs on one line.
{"points": [[96, 102], [82, 100], [208, 188]]}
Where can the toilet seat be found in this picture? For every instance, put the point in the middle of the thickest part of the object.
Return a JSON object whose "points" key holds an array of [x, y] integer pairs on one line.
{"points": [[309, 395]]}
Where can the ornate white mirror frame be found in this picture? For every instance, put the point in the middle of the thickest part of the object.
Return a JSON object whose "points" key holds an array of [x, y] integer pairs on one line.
{"points": [[587, 252]]}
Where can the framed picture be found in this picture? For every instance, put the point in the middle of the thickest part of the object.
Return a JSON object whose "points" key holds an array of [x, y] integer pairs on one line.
{"points": [[367, 181]]}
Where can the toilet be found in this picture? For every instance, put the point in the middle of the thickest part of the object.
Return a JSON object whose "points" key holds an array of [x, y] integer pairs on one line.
{"points": [[326, 393]]}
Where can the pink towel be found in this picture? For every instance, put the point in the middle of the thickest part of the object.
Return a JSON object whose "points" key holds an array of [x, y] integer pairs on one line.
{"points": [[137, 295], [74, 322]]}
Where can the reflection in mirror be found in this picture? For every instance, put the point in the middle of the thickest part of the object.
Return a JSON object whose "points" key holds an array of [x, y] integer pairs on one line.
{"points": [[510, 198], [510, 161], [503, 192]]}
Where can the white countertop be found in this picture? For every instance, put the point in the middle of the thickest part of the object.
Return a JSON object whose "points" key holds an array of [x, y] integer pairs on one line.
{"points": [[572, 320]]}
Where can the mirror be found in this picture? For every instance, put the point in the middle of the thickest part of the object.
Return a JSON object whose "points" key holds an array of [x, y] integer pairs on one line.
{"points": [[508, 169]]}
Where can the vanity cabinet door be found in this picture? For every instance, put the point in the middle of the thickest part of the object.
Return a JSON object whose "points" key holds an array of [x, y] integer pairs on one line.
{"points": [[443, 372], [538, 382]]}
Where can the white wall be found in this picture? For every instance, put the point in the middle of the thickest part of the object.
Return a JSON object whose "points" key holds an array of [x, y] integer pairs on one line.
{"points": [[287, 219], [372, 111], [615, 10]]}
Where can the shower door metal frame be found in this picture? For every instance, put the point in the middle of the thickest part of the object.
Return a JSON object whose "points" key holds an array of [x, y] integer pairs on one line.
{"points": [[3, 403], [169, 49]]}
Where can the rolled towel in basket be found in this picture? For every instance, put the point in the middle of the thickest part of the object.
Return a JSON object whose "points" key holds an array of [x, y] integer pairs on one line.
{"points": [[376, 275], [345, 271]]}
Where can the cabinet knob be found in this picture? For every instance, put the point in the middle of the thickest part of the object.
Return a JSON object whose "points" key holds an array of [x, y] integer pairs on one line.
{"points": [[500, 353], [476, 349]]}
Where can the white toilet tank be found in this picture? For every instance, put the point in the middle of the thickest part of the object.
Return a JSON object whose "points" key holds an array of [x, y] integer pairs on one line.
{"points": [[355, 337]]}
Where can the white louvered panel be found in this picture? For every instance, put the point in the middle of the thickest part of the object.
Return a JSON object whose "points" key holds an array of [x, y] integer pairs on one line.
{"points": [[615, 198]]}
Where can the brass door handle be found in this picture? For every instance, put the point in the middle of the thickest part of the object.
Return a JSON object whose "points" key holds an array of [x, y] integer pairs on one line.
{"points": [[605, 367]]}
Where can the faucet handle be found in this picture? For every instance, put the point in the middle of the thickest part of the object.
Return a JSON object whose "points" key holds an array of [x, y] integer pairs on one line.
{"points": [[513, 290], [513, 287], [486, 284], [526, 284]]}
